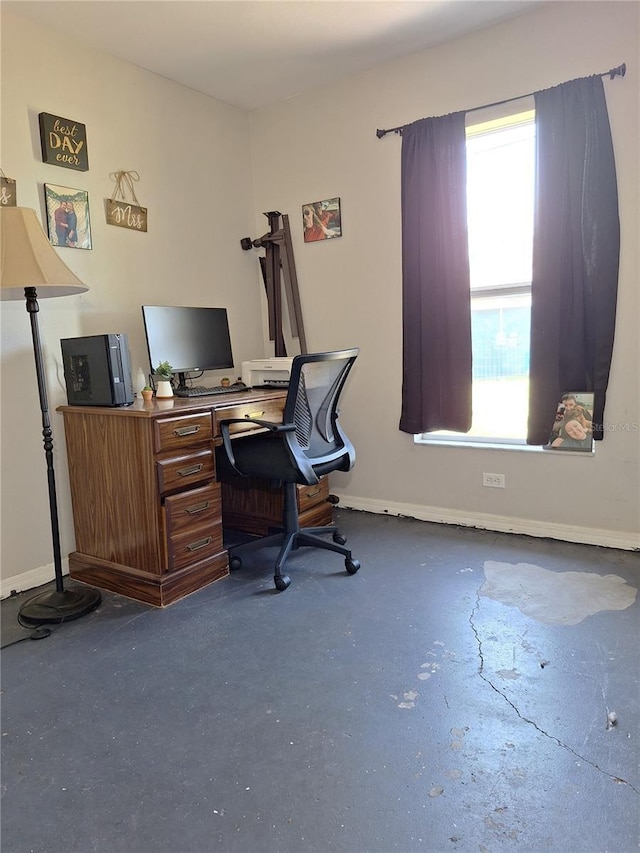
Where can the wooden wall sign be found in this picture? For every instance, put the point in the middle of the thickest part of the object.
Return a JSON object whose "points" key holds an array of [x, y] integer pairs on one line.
{"points": [[123, 213], [7, 192], [126, 215], [64, 142]]}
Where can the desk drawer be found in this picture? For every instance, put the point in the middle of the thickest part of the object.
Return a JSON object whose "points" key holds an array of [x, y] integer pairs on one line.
{"points": [[309, 496], [184, 471], [182, 432], [265, 410], [195, 545], [253, 505], [319, 515], [188, 510]]}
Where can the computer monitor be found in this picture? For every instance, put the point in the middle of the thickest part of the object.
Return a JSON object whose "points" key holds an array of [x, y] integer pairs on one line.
{"points": [[190, 339]]}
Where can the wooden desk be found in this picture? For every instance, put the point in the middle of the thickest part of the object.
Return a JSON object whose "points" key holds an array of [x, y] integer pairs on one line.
{"points": [[146, 501]]}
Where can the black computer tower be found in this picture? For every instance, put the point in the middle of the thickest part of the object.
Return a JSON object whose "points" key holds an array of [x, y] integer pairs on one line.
{"points": [[97, 370]]}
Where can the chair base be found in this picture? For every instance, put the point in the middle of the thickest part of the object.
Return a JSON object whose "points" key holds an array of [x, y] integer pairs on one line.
{"points": [[292, 537]]}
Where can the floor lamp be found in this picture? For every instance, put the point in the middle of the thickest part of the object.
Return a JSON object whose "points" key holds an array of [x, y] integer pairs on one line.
{"points": [[30, 268]]}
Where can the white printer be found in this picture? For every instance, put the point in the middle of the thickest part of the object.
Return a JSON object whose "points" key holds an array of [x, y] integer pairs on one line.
{"points": [[271, 372]]}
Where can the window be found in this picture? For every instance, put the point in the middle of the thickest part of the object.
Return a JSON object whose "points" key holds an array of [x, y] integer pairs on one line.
{"points": [[500, 203]]}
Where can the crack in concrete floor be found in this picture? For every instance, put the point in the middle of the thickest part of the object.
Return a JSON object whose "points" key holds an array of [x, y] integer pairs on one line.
{"points": [[530, 722]]}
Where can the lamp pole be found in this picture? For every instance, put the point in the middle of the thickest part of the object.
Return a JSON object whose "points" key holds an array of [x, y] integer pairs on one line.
{"points": [[63, 605], [33, 308]]}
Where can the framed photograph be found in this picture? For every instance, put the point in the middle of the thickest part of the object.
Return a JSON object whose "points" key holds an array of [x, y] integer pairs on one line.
{"points": [[68, 217], [321, 220], [572, 428]]}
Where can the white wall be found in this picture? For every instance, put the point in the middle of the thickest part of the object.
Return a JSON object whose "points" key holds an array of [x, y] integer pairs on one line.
{"points": [[193, 157], [324, 144]]}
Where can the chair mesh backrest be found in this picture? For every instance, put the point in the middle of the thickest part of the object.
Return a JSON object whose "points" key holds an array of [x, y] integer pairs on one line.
{"points": [[314, 392]]}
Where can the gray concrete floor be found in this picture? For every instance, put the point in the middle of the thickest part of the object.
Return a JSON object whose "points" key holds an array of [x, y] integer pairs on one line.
{"points": [[419, 705]]}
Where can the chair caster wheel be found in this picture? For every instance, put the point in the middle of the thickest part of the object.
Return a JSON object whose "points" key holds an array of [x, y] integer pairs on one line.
{"points": [[281, 582], [235, 563], [351, 566], [339, 538]]}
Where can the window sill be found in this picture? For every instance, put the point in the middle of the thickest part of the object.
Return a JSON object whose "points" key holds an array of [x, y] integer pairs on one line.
{"points": [[520, 448]]}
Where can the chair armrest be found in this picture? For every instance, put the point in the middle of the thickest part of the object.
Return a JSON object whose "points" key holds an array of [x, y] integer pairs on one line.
{"points": [[226, 436], [266, 424]]}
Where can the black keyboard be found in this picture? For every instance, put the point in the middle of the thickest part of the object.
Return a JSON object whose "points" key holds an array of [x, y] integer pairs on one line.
{"points": [[201, 391], [275, 383]]}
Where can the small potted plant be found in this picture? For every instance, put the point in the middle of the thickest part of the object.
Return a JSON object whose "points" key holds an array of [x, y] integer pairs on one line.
{"points": [[164, 372], [147, 393]]}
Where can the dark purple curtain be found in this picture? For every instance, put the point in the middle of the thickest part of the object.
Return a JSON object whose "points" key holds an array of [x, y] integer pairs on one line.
{"points": [[436, 383], [575, 252]]}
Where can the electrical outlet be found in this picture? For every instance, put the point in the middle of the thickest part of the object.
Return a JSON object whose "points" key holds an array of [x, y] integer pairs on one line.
{"points": [[495, 481]]}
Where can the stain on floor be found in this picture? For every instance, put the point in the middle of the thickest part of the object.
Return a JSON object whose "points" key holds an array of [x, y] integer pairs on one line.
{"points": [[555, 598]]}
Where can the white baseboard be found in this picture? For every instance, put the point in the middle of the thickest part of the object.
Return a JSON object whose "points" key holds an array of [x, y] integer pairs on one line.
{"points": [[30, 579], [628, 541]]}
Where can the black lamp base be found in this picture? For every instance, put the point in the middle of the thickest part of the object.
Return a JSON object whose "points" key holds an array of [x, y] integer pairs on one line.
{"points": [[52, 608]]}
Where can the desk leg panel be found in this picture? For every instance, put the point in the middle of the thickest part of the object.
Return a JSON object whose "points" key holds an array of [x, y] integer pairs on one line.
{"points": [[158, 590], [114, 490]]}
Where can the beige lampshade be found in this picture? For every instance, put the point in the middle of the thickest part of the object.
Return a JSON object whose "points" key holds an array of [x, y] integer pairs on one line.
{"points": [[27, 258]]}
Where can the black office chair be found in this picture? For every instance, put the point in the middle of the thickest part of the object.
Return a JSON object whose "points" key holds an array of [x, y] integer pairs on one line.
{"points": [[306, 445]]}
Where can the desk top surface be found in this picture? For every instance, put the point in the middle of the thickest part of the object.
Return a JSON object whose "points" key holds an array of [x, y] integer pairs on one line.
{"points": [[178, 405]]}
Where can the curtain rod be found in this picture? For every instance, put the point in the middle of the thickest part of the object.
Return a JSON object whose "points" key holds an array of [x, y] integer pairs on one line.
{"points": [[619, 71]]}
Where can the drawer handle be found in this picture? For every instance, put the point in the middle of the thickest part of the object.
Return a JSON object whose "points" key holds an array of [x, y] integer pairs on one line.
{"points": [[196, 508], [313, 494], [190, 430], [192, 469], [200, 543], [254, 415]]}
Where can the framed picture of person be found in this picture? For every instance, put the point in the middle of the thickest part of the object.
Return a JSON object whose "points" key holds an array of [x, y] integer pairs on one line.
{"points": [[68, 221], [572, 429], [321, 220]]}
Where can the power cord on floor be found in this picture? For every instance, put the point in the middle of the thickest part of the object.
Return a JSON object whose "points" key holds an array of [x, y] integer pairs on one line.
{"points": [[38, 634]]}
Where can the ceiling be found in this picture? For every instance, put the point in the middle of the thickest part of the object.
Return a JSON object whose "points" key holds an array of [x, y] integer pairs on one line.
{"points": [[252, 53]]}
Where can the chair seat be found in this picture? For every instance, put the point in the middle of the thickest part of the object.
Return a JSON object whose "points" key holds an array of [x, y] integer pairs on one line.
{"points": [[266, 456]]}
